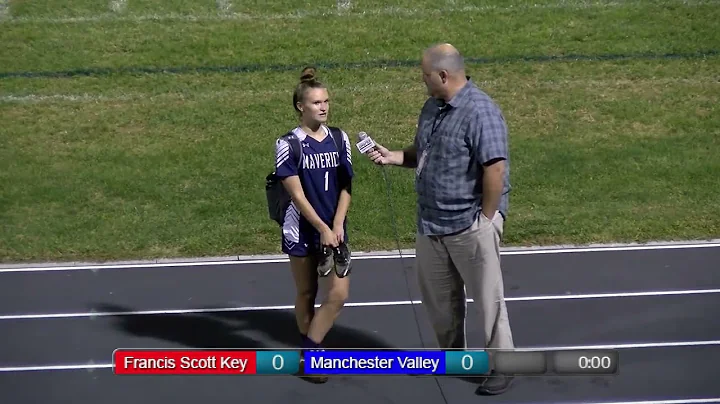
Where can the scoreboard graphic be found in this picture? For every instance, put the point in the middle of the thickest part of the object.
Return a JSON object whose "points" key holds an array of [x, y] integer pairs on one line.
{"points": [[416, 362]]}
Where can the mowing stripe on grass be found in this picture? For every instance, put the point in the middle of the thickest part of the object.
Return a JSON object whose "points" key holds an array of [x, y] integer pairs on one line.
{"points": [[253, 68], [549, 84], [388, 11]]}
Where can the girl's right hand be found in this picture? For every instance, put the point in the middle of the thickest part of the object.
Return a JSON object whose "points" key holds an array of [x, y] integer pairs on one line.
{"points": [[328, 238]]}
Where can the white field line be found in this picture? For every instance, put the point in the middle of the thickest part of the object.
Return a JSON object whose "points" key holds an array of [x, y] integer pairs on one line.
{"points": [[118, 6], [343, 6], [4, 9], [672, 344], [39, 98], [386, 11], [95, 314], [224, 7], [548, 84]]}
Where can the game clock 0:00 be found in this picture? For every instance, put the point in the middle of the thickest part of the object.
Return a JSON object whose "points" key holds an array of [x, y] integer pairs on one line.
{"points": [[591, 362]]}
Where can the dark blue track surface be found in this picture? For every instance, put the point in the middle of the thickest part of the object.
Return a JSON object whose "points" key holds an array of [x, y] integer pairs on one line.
{"points": [[537, 285]]}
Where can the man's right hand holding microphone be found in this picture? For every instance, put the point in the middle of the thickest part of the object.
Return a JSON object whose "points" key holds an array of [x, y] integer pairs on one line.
{"points": [[377, 153]]}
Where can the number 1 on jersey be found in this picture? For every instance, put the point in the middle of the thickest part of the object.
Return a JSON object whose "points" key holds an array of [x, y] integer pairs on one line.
{"points": [[327, 173]]}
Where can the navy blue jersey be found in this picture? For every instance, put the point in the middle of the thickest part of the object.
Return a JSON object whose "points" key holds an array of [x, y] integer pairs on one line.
{"points": [[322, 167]]}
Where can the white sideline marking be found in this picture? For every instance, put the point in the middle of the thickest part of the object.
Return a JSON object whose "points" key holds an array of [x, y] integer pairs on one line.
{"points": [[343, 5], [4, 9], [391, 11], [118, 6], [361, 256], [553, 348], [94, 314], [223, 6]]}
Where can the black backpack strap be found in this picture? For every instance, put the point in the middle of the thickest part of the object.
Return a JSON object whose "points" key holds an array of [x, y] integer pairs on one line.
{"points": [[337, 137]]}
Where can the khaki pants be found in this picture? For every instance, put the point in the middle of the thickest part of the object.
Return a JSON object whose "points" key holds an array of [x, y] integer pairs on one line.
{"points": [[447, 266]]}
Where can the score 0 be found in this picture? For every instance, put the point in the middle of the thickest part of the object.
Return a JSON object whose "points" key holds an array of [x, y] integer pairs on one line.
{"points": [[467, 363], [278, 362]]}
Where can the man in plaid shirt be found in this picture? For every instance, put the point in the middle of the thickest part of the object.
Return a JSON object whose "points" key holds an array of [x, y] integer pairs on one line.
{"points": [[460, 155]]}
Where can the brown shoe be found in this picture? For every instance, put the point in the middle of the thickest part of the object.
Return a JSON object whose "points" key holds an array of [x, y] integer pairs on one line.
{"points": [[316, 379]]}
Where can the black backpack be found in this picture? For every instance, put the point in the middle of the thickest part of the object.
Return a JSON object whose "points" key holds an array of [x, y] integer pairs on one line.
{"points": [[278, 198]]}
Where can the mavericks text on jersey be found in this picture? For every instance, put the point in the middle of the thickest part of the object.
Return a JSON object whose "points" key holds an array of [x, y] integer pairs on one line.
{"points": [[322, 168]]}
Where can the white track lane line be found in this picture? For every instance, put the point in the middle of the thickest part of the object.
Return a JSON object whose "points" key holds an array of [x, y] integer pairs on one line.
{"points": [[93, 314], [359, 13], [674, 401], [641, 345], [681, 401], [358, 257], [56, 367]]}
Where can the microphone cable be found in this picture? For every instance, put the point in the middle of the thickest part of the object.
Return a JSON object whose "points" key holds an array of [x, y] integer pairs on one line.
{"points": [[407, 280]]}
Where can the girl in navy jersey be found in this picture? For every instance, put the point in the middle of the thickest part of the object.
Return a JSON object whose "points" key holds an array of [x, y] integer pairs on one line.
{"points": [[314, 232]]}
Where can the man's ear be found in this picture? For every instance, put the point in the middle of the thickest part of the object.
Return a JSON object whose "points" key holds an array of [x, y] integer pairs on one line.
{"points": [[444, 76]]}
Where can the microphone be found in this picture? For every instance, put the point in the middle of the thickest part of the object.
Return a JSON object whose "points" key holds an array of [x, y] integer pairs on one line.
{"points": [[365, 144]]}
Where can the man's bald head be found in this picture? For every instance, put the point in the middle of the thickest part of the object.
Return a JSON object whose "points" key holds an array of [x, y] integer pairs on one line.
{"points": [[444, 57], [443, 71]]}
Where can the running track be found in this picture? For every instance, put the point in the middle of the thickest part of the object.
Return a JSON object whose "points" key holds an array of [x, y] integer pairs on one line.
{"points": [[670, 342]]}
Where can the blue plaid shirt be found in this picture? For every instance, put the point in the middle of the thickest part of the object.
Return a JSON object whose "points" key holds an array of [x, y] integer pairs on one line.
{"points": [[459, 138]]}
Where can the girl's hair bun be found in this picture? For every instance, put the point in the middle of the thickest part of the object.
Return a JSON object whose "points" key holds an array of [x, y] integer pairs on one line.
{"points": [[308, 74]]}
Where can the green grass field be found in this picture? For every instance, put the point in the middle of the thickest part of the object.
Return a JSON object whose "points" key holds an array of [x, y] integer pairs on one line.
{"points": [[146, 130]]}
